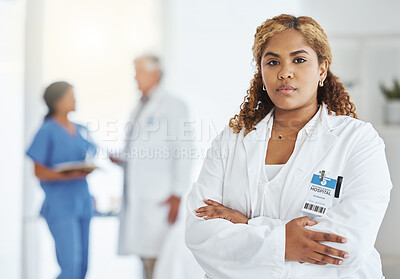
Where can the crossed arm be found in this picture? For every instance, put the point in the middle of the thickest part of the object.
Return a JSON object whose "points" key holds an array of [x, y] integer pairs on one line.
{"points": [[220, 237], [301, 245]]}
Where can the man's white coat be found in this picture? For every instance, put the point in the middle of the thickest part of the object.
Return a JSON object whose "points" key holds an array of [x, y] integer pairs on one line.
{"points": [[155, 170]]}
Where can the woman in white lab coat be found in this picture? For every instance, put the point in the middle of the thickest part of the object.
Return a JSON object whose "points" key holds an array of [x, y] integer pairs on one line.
{"points": [[296, 186]]}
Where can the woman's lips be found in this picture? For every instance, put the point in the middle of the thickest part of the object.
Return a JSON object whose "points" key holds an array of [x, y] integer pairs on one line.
{"points": [[286, 89]]}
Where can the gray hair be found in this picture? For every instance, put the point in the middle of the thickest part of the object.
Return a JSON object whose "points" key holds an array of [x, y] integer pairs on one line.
{"points": [[152, 62]]}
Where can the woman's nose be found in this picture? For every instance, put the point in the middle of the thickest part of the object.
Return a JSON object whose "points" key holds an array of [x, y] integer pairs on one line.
{"points": [[285, 73]]}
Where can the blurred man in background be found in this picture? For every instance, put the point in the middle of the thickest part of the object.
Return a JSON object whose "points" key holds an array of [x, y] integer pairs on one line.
{"points": [[156, 166]]}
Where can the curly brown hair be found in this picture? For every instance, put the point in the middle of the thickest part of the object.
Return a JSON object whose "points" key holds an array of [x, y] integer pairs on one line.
{"points": [[257, 104]]}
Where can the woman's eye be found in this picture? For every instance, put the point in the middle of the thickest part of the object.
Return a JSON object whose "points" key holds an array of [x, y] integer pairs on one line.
{"points": [[299, 60], [272, 63]]}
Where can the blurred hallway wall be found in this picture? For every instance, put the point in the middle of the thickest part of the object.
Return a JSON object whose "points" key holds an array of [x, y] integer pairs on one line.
{"points": [[12, 37], [90, 44]]}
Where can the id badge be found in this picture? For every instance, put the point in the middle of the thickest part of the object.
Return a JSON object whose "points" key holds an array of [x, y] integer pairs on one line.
{"points": [[319, 195]]}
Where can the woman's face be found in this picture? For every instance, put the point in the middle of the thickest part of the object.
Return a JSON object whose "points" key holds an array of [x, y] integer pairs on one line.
{"points": [[66, 103], [291, 71]]}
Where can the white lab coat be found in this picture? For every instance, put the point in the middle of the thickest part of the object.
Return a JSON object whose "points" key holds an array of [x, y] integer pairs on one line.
{"points": [[232, 173], [154, 171], [175, 260]]}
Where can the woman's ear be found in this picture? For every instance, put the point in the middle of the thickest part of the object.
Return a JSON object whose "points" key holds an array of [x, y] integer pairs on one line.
{"points": [[323, 69]]}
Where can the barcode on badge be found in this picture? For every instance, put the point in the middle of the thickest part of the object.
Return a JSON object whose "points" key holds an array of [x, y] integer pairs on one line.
{"points": [[313, 207]]}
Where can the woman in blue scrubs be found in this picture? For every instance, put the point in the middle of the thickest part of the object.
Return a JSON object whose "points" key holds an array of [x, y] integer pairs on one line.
{"points": [[68, 205]]}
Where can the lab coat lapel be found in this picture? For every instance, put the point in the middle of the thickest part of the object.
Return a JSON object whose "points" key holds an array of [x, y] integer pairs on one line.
{"points": [[315, 147], [254, 145], [150, 108], [138, 118]]}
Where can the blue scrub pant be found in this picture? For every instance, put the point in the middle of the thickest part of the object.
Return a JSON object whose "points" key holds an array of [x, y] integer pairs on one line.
{"points": [[71, 237]]}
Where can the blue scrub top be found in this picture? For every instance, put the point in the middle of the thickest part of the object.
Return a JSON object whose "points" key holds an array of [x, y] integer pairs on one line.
{"points": [[53, 145]]}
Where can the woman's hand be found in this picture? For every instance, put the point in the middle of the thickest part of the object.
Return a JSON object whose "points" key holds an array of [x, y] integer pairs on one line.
{"points": [[303, 245], [115, 160], [47, 174], [215, 210]]}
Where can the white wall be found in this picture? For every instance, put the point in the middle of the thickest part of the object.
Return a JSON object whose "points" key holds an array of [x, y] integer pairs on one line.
{"points": [[355, 17], [11, 141]]}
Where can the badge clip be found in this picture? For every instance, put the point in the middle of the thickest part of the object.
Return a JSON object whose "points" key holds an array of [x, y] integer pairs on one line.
{"points": [[322, 175]]}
